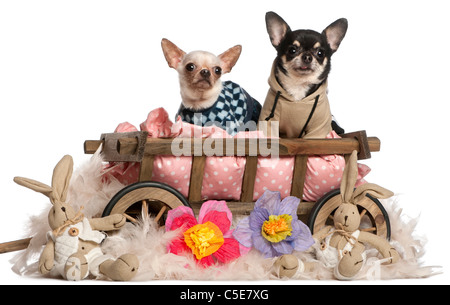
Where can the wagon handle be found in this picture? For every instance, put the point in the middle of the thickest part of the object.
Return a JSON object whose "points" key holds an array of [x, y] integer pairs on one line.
{"points": [[14, 245]]}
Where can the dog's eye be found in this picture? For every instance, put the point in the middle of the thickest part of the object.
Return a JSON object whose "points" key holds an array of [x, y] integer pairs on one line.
{"points": [[190, 67], [292, 50], [320, 53], [218, 70]]}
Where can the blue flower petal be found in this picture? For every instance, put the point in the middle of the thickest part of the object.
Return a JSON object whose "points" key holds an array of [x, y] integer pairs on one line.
{"points": [[283, 247], [297, 230], [289, 206], [262, 245], [257, 218], [303, 240], [243, 233], [269, 201]]}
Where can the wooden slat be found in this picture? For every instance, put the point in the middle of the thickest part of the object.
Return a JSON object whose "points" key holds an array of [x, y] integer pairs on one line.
{"points": [[248, 181], [195, 184], [298, 179], [146, 169]]}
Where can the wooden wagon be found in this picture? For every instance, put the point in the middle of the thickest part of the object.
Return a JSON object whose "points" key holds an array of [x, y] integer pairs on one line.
{"points": [[156, 198]]}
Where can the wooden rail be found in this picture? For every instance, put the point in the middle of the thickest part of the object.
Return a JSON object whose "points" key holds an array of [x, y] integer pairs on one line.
{"points": [[238, 147]]}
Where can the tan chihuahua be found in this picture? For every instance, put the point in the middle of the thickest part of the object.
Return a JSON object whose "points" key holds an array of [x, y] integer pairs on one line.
{"points": [[206, 100]]}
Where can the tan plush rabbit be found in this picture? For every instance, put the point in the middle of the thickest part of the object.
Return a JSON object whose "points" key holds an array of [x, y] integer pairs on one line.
{"points": [[342, 247], [73, 245]]}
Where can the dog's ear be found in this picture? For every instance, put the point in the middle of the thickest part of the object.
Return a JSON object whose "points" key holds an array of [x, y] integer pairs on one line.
{"points": [[335, 32], [229, 58], [173, 54], [277, 28]]}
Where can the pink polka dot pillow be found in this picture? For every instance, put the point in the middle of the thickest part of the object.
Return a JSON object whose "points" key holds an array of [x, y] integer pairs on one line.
{"points": [[223, 176], [323, 174], [274, 175]]}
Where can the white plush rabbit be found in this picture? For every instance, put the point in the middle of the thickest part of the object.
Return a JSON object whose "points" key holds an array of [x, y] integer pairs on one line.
{"points": [[341, 247], [73, 245]]}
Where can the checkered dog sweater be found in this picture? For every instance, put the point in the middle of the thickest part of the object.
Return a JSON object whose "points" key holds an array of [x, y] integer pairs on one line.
{"points": [[232, 110]]}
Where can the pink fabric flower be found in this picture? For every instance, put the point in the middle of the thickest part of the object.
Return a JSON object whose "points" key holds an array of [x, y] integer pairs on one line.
{"points": [[209, 239]]}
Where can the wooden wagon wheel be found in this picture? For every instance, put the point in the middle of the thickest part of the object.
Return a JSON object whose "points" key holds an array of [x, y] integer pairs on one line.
{"points": [[153, 198], [371, 209]]}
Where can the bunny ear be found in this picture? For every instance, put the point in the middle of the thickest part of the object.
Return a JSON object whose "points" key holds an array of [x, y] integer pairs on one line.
{"points": [[34, 185], [372, 189], [349, 177], [61, 178]]}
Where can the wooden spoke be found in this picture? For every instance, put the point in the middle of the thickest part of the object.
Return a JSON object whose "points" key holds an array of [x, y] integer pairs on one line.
{"points": [[161, 212], [129, 218], [373, 229], [363, 213], [144, 207]]}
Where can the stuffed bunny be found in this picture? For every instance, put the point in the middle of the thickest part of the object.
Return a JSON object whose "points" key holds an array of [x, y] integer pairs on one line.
{"points": [[73, 245], [342, 247]]}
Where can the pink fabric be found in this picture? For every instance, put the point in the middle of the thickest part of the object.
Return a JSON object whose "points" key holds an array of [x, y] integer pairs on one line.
{"points": [[222, 178], [323, 174]]}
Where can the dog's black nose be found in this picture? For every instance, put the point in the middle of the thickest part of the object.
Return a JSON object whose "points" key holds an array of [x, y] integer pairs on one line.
{"points": [[63, 209], [205, 73], [307, 58]]}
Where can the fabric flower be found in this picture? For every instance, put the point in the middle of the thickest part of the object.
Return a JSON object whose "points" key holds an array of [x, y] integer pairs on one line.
{"points": [[273, 227], [209, 239]]}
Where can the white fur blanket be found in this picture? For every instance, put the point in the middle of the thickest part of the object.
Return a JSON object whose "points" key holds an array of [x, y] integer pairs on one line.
{"points": [[149, 242]]}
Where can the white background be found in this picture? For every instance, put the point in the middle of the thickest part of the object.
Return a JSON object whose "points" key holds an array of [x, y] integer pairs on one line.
{"points": [[71, 70]]}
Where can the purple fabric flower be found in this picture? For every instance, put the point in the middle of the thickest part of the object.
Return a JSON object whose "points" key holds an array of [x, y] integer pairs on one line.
{"points": [[273, 227]]}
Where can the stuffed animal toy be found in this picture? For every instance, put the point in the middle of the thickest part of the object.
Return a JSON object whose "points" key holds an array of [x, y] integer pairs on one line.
{"points": [[342, 247], [73, 245]]}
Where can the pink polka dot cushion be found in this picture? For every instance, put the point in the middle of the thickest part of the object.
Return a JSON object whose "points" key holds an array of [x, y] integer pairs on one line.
{"points": [[223, 176], [323, 174], [274, 175]]}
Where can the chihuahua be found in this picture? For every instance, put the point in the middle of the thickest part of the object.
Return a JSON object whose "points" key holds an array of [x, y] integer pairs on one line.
{"points": [[206, 100], [297, 97]]}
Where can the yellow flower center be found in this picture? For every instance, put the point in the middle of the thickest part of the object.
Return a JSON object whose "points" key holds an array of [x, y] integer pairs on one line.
{"points": [[277, 228], [204, 239]]}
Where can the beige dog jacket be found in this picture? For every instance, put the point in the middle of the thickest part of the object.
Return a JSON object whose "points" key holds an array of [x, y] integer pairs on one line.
{"points": [[293, 115]]}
